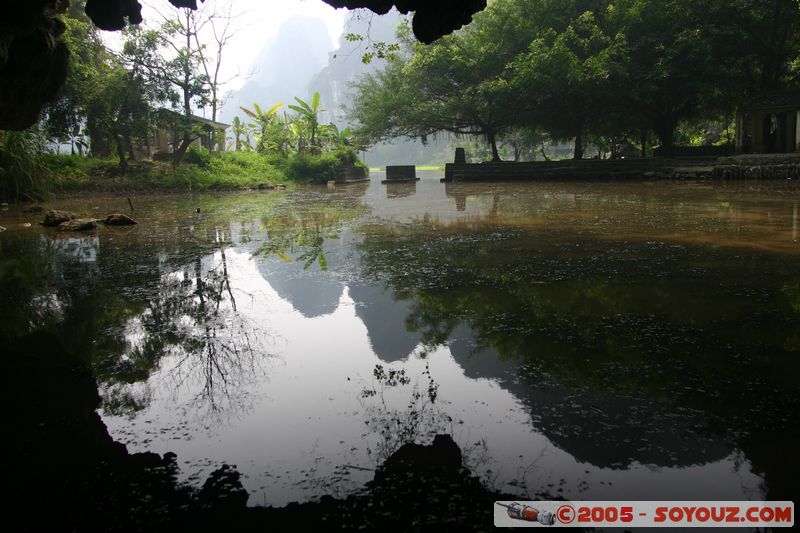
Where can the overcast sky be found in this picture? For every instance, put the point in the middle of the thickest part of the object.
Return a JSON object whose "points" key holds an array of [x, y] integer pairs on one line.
{"points": [[258, 21]]}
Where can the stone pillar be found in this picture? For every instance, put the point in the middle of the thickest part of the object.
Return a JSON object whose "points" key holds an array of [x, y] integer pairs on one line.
{"points": [[461, 157]]}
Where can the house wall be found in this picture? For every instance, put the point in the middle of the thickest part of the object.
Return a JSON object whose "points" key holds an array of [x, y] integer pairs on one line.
{"points": [[789, 143], [788, 132], [797, 131]]}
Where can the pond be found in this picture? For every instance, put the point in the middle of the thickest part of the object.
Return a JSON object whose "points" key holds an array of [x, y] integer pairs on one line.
{"points": [[588, 340]]}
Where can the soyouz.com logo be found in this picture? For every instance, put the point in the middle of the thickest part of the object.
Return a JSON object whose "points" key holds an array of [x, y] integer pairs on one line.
{"points": [[644, 514]]}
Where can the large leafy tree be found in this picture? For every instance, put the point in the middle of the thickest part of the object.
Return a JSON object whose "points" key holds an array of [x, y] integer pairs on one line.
{"points": [[671, 71], [572, 73], [120, 110], [458, 85]]}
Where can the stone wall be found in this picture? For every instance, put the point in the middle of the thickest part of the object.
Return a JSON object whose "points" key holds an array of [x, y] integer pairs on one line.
{"points": [[592, 169], [758, 167]]}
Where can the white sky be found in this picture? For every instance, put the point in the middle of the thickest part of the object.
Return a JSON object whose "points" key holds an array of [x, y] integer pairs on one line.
{"points": [[258, 21]]}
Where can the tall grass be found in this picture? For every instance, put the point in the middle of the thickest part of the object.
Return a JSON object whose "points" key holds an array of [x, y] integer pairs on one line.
{"points": [[23, 172]]}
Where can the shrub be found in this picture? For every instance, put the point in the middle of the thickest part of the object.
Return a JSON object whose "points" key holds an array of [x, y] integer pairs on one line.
{"points": [[23, 173], [315, 168], [197, 156], [348, 157]]}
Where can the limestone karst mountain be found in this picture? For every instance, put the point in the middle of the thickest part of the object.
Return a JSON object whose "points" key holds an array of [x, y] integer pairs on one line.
{"points": [[284, 67]]}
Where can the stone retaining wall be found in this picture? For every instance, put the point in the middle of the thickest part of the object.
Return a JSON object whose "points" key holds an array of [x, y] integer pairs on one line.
{"points": [[758, 167], [761, 166], [620, 169]]}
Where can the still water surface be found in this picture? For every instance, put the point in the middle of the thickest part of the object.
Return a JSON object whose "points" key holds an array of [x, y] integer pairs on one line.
{"points": [[595, 341]]}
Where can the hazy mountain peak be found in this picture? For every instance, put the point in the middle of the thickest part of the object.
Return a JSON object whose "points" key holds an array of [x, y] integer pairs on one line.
{"points": [[284, 66]]}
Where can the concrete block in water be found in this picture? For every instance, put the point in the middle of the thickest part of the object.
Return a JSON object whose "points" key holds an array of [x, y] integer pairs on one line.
{"points": [[401, 173]]}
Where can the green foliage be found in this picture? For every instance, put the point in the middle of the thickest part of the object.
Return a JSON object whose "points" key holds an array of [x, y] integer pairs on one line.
{"points": [[272, 132], [202, 170], [198, 156], [603, 71], [309, 120], [120, 110], [314, 168], [64, 117], [23, 173]]}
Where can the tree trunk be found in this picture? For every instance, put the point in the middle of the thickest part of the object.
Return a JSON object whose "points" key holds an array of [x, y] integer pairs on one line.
{"points": [[644, 143], [544, 152], [666, 135], [578, 144], [187, 102], [123, 161], [493, 142], [181, 151]]}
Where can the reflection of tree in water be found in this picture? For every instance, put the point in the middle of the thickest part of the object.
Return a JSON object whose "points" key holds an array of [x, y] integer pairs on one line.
{"points": [[214, 349], [389, 426], [635, 336], [300, 237]]}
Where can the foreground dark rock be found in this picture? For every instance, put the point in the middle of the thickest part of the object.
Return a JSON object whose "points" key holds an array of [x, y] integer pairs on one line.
{"points": [[68, 474], [119, 219], [55, 217]]}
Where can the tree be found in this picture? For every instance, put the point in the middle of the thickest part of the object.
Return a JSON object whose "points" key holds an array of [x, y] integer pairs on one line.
{"points": [[457, 85], [120, 110], [671, 73], [572, 74], [65, 117], [214, 20], [762, 36], [239, 130], [168, 58]]}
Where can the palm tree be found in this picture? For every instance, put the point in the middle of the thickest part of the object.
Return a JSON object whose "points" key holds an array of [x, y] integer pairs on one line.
{"points": [[309, 113]]}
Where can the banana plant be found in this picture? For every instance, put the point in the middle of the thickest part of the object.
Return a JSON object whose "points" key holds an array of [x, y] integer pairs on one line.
{"points": [[239, 130], [266, 122], [309, 113]]}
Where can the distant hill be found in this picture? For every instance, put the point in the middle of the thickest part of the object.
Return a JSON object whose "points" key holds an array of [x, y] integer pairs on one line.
{"points": [[284, 67]]}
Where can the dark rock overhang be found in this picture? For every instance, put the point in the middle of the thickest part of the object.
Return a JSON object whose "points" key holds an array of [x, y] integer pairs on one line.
{"points": [[432, 18]]}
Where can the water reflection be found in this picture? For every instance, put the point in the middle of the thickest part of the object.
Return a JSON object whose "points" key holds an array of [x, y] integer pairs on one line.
{"points": [[401, 190], [598, 339]]}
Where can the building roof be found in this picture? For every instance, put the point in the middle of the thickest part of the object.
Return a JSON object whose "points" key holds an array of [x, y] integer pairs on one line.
{"points": [[209, 122], [783, 100], [195, 118]]}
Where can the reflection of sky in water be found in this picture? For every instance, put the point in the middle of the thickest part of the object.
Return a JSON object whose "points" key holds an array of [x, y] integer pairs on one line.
{"points": [[298, 427], [286, 408]]}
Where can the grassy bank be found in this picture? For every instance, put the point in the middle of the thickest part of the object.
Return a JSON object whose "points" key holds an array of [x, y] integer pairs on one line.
{"points": [[199, 171]]}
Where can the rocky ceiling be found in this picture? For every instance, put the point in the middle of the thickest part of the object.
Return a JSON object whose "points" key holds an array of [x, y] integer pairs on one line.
{"points": [[33, 64]]}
